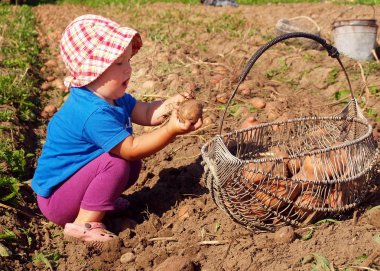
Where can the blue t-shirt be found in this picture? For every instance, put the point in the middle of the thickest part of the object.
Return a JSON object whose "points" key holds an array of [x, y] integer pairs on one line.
{"points": [[85, 127]]}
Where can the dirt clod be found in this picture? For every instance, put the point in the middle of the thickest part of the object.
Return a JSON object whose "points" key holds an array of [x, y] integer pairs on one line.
{"points": [[374, 216], [176, 263], [127, 257]]}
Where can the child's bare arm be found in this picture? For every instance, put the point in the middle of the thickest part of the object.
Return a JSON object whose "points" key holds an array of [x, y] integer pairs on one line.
{"points": [[133, 148], [143, 112]]}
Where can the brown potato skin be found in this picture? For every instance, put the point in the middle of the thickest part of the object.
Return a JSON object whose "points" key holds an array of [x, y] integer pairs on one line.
{"points": [[276, 169], [248, 122], [335, 199], [307, 198], [281, 190], [294, 165], [190, 110], [337, 159]]}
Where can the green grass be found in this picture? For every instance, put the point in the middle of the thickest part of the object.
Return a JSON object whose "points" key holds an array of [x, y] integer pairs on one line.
{"points": [[332, 76], [19, 53], [18, 95], [47, 259], [242, 2]]}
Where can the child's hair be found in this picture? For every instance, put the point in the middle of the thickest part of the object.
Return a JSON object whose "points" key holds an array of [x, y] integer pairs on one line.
{"points": [[91, 43]]}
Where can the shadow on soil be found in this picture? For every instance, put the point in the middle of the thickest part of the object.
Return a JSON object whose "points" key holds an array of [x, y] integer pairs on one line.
{"points": [[173, 186]]}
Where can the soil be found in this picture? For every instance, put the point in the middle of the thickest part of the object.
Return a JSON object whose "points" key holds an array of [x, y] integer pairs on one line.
{"points": [[173, 222]]}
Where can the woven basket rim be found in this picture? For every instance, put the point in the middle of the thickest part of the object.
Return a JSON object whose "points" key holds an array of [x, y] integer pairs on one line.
{"points": [[355, 119]]}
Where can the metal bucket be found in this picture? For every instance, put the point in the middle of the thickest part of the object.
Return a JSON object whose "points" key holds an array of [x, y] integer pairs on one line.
{"points": [[355, 38]]}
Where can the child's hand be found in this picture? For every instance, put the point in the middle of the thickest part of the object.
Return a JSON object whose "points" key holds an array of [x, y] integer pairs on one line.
{"points": [[179, 98], [177, 127], [173, 102], [170, 104]]}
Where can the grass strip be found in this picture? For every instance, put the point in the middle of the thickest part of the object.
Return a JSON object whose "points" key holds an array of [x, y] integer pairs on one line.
{"points": [[97, 3], [18, 95]]}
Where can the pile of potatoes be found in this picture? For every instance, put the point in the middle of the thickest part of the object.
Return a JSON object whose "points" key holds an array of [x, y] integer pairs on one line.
{"points": [[296, 189]]}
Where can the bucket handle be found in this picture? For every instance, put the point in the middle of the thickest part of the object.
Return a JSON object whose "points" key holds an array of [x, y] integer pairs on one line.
{"points": [[332, 51]]}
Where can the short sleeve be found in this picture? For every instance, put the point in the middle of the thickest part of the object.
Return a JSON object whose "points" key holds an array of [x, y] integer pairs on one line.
{"points": [[127, 102], [107, 127]]}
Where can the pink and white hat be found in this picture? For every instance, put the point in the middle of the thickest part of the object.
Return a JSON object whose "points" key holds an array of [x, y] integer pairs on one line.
{"points": [[91, 43]]}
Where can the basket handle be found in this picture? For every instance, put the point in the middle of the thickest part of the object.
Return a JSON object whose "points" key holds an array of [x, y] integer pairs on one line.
{"points": [[332, 51]]}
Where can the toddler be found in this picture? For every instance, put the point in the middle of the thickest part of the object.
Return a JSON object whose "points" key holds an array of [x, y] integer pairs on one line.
{"points": [[91, 154]]}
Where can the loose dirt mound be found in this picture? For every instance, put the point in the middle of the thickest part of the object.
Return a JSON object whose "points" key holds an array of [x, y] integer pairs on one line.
{"points": [[173, 224]]}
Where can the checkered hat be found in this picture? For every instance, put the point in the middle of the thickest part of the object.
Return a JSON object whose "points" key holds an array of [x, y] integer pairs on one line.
{"points": [[91, 43]]}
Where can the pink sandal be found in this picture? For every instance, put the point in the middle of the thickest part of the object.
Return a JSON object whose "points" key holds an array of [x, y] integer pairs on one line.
{"points": [[89, 232]]}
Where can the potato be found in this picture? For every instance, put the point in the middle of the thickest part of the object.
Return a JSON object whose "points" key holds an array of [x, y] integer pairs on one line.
{"points": [[294, 165], [339, 160], [259, 211], [284, 235], [190, 110], [248, 122], [301, 174], [255, 172], [281, 189], [305, 200], [338, 196], [314, 167], [252, 171], [279, 168], [336, 199], [326, 165]]}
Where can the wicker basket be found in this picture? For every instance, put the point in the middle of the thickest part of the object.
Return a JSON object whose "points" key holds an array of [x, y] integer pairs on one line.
{"points": [[293, 171]]}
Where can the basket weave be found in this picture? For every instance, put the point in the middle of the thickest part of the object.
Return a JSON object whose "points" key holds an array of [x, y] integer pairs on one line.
{"points": [[293, 171]]}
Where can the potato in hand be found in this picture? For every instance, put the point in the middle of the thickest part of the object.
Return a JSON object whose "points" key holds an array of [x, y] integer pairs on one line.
{"points": [[190, 110]]}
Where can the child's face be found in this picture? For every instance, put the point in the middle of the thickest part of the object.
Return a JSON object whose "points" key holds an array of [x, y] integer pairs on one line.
{"points": [[111, 84]]}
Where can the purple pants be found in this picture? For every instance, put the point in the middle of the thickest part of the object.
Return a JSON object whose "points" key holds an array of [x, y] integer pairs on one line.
{"points": [[94, 187]]}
